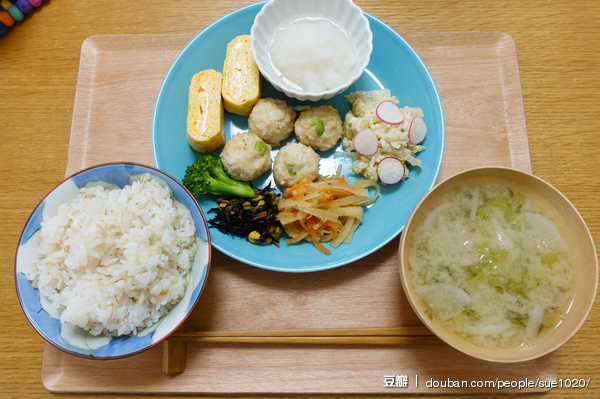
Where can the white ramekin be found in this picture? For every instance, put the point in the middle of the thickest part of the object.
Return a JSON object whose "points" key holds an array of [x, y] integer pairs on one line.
{"points": [[344, 13]]}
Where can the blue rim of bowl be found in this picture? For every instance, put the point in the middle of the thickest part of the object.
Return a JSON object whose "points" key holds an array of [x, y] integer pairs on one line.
{"points": [[345, 261], [82, 355]]}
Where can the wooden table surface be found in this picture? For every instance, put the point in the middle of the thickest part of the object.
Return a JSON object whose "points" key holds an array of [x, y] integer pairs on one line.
{"points": [[558, 45]]}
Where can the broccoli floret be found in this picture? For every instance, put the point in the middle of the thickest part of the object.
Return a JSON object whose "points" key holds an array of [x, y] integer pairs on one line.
{"points": [[206, 175]]}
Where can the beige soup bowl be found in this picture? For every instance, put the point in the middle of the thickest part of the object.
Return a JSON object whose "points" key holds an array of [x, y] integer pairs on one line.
{"points": [[585, 268]]}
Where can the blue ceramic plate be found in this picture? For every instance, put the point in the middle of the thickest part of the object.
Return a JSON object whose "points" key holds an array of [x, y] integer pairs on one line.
{"points": [[394, 65], [75, 340]]}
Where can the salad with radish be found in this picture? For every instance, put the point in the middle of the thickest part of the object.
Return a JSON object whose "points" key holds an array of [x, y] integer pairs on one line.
{"points": [[382, 137]]}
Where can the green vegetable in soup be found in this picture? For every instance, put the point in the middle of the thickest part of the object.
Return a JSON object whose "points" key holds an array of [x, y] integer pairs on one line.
{"points": [[548, 258], [500, 204], [548, 319], [472, 314], [518, 318], [428, 313]]}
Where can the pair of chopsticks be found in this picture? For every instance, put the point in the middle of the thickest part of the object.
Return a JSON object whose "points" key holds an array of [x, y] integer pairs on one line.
{"points": [[417, 335]]}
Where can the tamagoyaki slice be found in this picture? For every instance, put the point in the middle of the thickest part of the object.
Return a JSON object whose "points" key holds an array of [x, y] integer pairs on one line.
{"points": [[241, 77], [206, 118]]}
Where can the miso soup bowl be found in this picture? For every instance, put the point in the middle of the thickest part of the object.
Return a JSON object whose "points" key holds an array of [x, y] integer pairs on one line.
{"points": [[585, 268]]}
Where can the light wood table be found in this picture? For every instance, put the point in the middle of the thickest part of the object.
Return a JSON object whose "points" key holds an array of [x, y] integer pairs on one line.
{"points": [[558, 45]]}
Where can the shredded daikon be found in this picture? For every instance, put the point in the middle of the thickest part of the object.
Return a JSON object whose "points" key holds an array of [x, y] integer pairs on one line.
{"points": [[327, 210]]}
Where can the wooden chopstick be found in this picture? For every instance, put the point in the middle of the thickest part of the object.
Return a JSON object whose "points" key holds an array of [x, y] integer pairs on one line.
{"points": [[358, 340], [338, 336], [174, 360], [322, 332]]}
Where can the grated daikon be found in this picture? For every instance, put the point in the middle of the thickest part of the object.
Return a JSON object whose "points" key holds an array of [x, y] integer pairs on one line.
{"points": [[312, 54]]}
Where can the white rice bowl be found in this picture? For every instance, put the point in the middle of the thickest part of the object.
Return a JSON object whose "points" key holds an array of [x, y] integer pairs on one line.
{"points": [[115, 261]]}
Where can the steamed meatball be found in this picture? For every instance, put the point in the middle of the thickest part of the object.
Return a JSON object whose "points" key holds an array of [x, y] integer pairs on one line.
{"points": [[272, 120], [295, 162], [319, 127], [246, 156]]}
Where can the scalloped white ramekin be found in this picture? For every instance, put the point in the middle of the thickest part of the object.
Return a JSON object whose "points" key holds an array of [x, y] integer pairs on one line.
{"points": [[344, 13]]}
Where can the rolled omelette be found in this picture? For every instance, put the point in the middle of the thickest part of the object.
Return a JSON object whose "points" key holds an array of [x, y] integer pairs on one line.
{"points": [[206, 118], [241, 77]]}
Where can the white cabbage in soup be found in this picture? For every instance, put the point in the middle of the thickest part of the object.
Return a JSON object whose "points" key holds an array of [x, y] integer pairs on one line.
{"points": [[490, 263]]}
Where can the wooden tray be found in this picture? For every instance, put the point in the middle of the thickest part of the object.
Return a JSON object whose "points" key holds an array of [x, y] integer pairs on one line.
{"points": [[478, 78]]}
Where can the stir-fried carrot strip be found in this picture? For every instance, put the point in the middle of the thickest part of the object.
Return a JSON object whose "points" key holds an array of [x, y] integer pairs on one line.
{"points": [[321, 248], [333, 228], [311, 231], [328, 210], [297, 187]]}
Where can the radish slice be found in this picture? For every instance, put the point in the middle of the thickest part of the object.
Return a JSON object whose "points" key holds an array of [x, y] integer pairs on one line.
{"points": [[417, 131], [535, 320], [389, 113], [488, 329], [390, 170], [366, 143], [446, 300]]}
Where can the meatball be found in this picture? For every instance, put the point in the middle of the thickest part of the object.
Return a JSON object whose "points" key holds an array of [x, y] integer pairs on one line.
{"points": [[295, 162], [319, 127], [246, 156], [272, 120]]}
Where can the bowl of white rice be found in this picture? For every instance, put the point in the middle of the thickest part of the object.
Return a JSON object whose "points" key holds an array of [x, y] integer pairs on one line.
{"points": [[112, 261]]}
